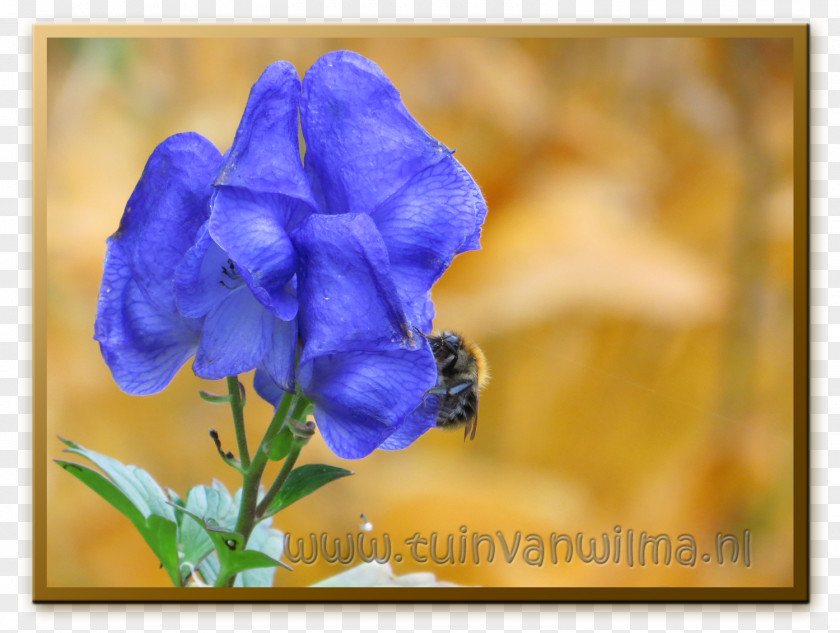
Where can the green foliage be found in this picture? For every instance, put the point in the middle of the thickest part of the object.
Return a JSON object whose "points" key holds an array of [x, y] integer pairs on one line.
{"points": [[281, 444], [303, 481], [135, 494], [232, 557], [185, 535], [214, 503], [197, 539], [213, 513]]}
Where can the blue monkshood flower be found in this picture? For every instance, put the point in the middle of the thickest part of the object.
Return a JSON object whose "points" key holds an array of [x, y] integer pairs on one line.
{"points": [[369, 223], [361, 365], [168, 291], [143, 337], [261, 193], [238, 332]]}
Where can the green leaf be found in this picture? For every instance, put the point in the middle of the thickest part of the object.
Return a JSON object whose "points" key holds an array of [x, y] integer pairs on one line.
{"points": [[233, 558], [174, 497], [138, 485], [271, 543], [281, 445], [162, 536], [209, 568], [210, 543], [264, 539], [213, 503], [105, 489], [302, 481], [251, 562], [133, 492]]}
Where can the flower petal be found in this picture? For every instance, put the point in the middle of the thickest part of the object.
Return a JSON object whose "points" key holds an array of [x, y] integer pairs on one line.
{"points": [[420, 311], [265, 155], [197, 287], [360, 397], [480, 206], [143, 338], [361, 365], [416, 424], [262, 192], [348, 299], [167, 207], [252, 229], [143, 345], [362, 145], [235, 337], [279, 361], [425, 223], [267, 388]]}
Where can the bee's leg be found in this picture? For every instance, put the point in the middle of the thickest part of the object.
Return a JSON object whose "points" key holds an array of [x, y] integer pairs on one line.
{"points": [[435, 391], [474, 426], [442, 391], [470, 427], [449, 363], [452, 391], [450, 345]]}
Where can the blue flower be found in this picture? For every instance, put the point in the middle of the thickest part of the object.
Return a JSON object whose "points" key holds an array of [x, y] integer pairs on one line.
{"points": [[369, 224], [238, 332], [361, 365], [169, 292], [366, 154], [143, 337], [256, 258], [261, 193]]}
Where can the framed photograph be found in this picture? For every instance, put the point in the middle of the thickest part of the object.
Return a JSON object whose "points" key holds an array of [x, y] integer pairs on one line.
{"points": [[416, 313]]}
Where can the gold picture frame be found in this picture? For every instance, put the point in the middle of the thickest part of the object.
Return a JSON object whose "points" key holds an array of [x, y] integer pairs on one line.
{"points": [[791, 267]]}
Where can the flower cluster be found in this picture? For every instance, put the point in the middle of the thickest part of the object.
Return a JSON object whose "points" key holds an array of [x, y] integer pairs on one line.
{"points": [[312, 272]]}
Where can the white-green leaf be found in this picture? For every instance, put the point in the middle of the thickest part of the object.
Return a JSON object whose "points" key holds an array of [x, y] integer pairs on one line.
{"points": [[211, 545], [135, 483], [133, 492]]}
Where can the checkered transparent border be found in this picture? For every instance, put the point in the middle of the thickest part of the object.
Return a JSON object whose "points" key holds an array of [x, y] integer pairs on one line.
{"points": [[16, 608]]}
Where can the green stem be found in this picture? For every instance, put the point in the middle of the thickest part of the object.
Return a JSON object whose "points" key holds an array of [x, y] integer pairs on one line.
{"points": [[298, 413], [291, 458], [301, 407], [251, 479], [237, 406]]}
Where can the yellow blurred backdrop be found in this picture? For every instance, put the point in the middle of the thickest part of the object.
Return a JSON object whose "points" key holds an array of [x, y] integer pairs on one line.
{"points": [[634, 297]]}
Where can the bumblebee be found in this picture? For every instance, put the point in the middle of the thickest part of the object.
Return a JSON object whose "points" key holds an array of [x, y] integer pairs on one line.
{"points": [[462, 373]]}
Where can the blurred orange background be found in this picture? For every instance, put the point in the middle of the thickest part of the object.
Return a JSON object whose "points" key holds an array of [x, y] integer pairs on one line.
{"points": [[634, 298]]}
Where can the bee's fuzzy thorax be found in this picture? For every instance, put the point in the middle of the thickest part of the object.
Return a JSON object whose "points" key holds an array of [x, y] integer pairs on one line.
{"points": [[481, 367]]}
